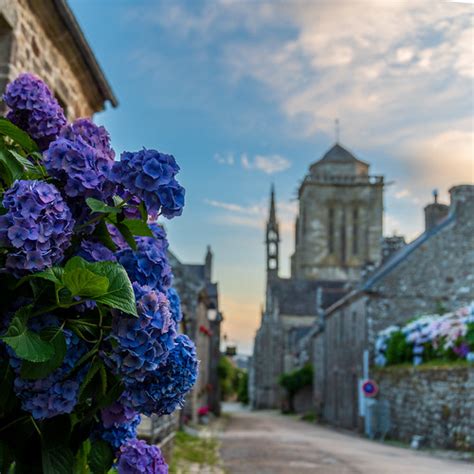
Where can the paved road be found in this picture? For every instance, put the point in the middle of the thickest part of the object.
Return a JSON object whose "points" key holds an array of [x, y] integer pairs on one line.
{"points": [[266, 442]]}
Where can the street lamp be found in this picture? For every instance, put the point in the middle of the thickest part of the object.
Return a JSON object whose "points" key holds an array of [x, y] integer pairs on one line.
{"points": [[212, 314]]}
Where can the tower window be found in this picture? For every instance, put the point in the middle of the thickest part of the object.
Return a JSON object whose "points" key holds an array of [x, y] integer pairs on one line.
{"points": [[343, 236], [331, 230], [355, 231]]}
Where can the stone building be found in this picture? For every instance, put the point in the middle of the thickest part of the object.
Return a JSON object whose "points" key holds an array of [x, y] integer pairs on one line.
{"points": [[339, 224], [432, 273], [337, 232], [44, 38], [201, 322]]}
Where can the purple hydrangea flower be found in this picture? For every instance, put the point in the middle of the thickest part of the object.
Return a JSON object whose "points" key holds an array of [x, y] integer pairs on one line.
{"points": [[141, 344], [137, 457], [95, 252], [148, 265], [175, 305], [119, 424], [164, 391], [34, 109], [37, 226], [57, 393], [82, 158], [150, 176]]}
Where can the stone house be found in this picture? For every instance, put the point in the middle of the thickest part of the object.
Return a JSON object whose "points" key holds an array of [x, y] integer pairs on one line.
{"points": [[433, 272], [44, 38], [201, 322]]}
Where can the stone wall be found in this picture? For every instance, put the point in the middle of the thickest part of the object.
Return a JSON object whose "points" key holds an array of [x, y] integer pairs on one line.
{"points": [[436, 403], [303, 400], [33, 38]]}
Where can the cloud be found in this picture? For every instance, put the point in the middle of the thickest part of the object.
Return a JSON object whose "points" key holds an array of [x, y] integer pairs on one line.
{"points": [[269, 164], [224, 159]]}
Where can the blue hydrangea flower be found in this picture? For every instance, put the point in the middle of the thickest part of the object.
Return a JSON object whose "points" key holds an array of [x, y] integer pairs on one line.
{"points": [[175, 305], [34, 109], [138, 457], [95, 252], [37, 226], [148, 264], [57, 393], [164, 391], [82, 158], [150, 175], [119, 424], [141, 344]]}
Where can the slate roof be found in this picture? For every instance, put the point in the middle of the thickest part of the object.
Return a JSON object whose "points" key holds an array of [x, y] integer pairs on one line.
{"points": [[338, 154], [196, 270], [402, 254], [298, 296]]}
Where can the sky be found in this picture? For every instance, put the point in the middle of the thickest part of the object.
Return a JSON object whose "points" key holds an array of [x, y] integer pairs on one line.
{"points": [[246, 93]]}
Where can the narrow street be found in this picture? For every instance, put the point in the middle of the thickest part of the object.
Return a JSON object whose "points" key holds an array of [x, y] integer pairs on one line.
{"points": [[265, 442]]}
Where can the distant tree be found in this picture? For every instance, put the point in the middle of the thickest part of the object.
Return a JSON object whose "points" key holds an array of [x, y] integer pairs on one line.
{"points": [[243, 387], [294, 381]]}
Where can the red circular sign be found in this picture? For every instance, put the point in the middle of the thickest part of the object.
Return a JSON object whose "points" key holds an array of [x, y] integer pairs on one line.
{"points": [[370, 388]]}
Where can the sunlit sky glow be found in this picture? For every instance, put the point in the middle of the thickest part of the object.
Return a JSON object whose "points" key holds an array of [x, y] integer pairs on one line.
{"points": [[245, 94]]}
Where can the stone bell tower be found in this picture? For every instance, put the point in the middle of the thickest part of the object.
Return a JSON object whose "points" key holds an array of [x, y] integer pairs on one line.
{"points": [[339, 225], [272, 240]]}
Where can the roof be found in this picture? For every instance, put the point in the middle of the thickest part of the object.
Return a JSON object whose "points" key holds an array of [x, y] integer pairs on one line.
{"points": [[196, 270], [85, 51], [402, 254], [298, 296], [338, 154]]}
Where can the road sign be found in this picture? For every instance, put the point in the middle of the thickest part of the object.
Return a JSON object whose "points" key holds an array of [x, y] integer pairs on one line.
{"points": [[370, 388]]}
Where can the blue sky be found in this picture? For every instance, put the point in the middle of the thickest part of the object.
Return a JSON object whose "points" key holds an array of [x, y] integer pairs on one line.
{"points": [[245, 94]]}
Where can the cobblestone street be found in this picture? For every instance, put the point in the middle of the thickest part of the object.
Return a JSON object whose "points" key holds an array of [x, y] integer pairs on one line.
{"points": [[265, 442]]}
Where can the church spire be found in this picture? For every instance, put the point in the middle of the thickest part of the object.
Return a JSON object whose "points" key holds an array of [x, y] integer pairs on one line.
{"points": [[272, 240]]}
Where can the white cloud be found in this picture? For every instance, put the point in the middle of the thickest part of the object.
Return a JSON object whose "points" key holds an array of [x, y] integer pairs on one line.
{"points": [[269, 164], [224, 158]]}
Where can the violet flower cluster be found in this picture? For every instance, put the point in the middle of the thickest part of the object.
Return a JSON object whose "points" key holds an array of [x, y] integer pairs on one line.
{"points": [[33, 108], [137, 457], [165, 390], [150, 175], [82, 158], [57, 393], [141, 344], [37, 226]]}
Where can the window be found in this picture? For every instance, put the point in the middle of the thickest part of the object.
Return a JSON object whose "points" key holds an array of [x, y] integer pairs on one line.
{"points": [[343, 236], [355, 231], [331, 230]]}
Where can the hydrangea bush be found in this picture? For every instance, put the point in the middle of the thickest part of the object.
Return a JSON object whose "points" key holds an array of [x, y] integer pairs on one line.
{"points": [[449, 336], [89, 331]]}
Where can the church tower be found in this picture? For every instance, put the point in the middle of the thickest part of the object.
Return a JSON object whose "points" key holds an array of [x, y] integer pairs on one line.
{"points": [[339, 225], [272, 240]]}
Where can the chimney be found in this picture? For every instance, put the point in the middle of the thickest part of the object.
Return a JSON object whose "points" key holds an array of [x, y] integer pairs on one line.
{"points": [[435, 212], [462, 201], [208, 264]]}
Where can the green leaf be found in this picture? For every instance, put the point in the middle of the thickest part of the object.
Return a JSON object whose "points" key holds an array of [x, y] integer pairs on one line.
{"points": [[103, 234], [83, 282], [94, 368], [99, 206], [11, 170], [17, 135], [137, 227], [143, 211], [101, 457], [120, 293], [31, 171], [58, 461], [27, 344], [54, 274], [127, 235], [39, 370]]}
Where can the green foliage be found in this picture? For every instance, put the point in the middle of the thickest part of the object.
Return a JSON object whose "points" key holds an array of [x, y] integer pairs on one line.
{"points": [[27, 344], [297, 379], [101, 457], [229, 378], [242, 389], [398, 350]]}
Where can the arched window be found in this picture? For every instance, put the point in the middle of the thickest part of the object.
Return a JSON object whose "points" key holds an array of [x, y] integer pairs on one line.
{"points": [[355, 231]]}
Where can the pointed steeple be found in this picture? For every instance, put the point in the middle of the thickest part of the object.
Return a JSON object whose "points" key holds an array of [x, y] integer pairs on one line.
{"points": [[272, 240]]}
